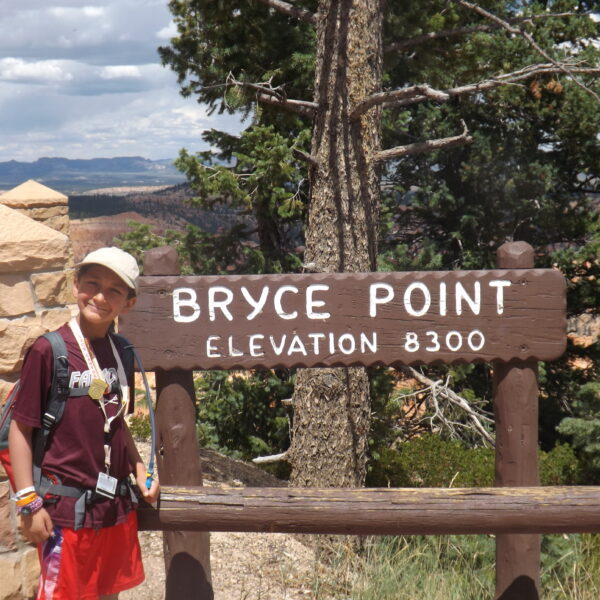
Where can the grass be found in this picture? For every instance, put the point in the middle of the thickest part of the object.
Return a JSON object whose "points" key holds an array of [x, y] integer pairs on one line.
{"points": [[451, 568]]}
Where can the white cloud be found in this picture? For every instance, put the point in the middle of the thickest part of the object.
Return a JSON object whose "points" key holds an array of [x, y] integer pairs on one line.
{"points": [[120, 71], [81, 79], [16, 69], [76, 13], [168, 32]]}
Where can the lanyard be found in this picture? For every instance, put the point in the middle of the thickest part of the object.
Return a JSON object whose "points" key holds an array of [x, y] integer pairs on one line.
{"points": [[99, 387]]}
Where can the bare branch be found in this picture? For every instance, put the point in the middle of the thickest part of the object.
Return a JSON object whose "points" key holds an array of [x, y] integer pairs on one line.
{"points": [[265, 460], [309, 158], [446, 33], [427, 146], [301, 107], [529, 38], [292, 11], [397, 96], [421, 93], [268, 94], [437, 388]]}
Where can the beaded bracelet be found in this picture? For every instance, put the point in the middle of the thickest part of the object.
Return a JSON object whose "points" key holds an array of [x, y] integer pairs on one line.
{"points": [[32, 507]]}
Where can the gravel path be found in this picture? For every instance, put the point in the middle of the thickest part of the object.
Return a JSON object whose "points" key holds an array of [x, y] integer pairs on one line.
{"points": [[245, 566]]}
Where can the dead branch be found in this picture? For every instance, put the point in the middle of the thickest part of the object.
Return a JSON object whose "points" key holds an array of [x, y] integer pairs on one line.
{"points": [[292, 11], [301, 107], [446, 33], [397, 96], [268, 94], [421, 93], [265, 460], [436, 389], [427, 146], [529, 38], [309, 158]]}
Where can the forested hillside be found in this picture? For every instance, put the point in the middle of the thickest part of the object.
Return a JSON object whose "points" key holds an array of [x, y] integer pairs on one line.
{"points": [[168, 206]]}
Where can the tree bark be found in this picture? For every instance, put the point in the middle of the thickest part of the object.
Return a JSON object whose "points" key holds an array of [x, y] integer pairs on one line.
{"points": [[332, 407]]}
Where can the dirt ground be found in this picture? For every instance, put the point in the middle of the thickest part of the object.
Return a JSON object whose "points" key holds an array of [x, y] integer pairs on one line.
{"points": [[245, 566]]}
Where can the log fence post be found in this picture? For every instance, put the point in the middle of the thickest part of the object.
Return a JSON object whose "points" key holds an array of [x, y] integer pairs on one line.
{"points": [[516, 398], [187, 554]]}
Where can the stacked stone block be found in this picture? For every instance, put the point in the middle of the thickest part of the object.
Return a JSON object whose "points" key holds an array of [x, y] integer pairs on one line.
{"points": [[35, 297], [40, 203]]}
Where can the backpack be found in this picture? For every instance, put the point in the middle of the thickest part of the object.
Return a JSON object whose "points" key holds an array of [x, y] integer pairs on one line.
{"points": [[55, 405]]}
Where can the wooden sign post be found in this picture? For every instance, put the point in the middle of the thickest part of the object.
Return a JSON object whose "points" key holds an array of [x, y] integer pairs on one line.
{"points": [[187, 554], [516, 397], [513, 316]]}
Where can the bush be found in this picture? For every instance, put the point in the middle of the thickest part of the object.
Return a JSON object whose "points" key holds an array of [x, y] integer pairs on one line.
{"points": [[430, 461], [241, 414], [139, 425]]}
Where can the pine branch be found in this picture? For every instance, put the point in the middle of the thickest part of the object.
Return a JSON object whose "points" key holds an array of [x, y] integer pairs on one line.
{"points": [[292, 11], [396, 97], [301, 107], [309, 158], [275, 95], [421, 93], [529, 38], [446, 33], [427, 146]]}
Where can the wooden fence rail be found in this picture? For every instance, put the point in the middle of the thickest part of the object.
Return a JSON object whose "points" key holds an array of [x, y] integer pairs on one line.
{"points": [[378, 511]]}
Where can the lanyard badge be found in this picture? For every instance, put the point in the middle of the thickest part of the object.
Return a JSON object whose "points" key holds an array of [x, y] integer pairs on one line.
{"points": [[106, 485], [98, 388]]}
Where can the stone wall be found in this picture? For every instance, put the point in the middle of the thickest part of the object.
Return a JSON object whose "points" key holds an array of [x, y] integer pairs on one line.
{"points": [[35, 297]]}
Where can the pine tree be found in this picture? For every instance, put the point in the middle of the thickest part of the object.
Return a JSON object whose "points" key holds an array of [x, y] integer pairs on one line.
{"points": [[477, 121]]}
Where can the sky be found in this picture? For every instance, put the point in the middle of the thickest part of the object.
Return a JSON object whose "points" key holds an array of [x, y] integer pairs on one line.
{"points": [[82, 79]]}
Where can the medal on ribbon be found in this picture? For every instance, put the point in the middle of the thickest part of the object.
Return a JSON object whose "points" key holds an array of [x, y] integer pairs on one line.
{"points": [[97, 388]]}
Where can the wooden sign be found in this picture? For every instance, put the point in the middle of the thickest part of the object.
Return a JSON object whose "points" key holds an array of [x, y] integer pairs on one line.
{"points": [[337, 319]]}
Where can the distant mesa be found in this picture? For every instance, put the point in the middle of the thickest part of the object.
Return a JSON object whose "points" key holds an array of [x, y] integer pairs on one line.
{"points": [[80, 175]]}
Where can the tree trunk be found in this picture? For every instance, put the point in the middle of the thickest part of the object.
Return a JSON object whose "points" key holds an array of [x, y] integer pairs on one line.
{"points": [[332, 406]]}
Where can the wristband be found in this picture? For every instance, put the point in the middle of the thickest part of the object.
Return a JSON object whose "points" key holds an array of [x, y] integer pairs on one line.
{"points": [[31, 508], [27, 499], [24, 492]]}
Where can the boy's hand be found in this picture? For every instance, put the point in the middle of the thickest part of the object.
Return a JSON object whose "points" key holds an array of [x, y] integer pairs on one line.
{"points": [[149, 495], [37, 527]]}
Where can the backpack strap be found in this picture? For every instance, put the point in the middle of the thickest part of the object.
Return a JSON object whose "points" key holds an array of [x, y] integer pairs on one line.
{"points": [[55, 403], [126, 348]]}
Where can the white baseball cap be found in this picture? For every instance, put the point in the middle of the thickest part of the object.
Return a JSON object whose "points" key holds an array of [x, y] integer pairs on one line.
{"points": [[118, 261]]}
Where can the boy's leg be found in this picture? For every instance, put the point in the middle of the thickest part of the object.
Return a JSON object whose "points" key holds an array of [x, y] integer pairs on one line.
{"points": [[88, 562]]}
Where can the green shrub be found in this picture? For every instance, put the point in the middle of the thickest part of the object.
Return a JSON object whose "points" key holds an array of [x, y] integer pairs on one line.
{"points": [[139, 425], [560, 466], [241, 414], [430, 461]]}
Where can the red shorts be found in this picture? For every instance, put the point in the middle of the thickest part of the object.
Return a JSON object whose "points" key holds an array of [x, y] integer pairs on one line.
{"points": [[88, 563]]}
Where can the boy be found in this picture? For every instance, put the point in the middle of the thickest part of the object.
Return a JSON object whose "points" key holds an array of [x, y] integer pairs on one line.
{"points": [[86, 526]]}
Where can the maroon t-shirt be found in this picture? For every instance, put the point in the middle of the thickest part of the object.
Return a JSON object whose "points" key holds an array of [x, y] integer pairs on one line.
{"points": [[75, 450]]}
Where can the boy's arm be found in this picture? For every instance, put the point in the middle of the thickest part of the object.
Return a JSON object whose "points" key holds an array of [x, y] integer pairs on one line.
{"points": [[149, 495], [38, 526]]}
